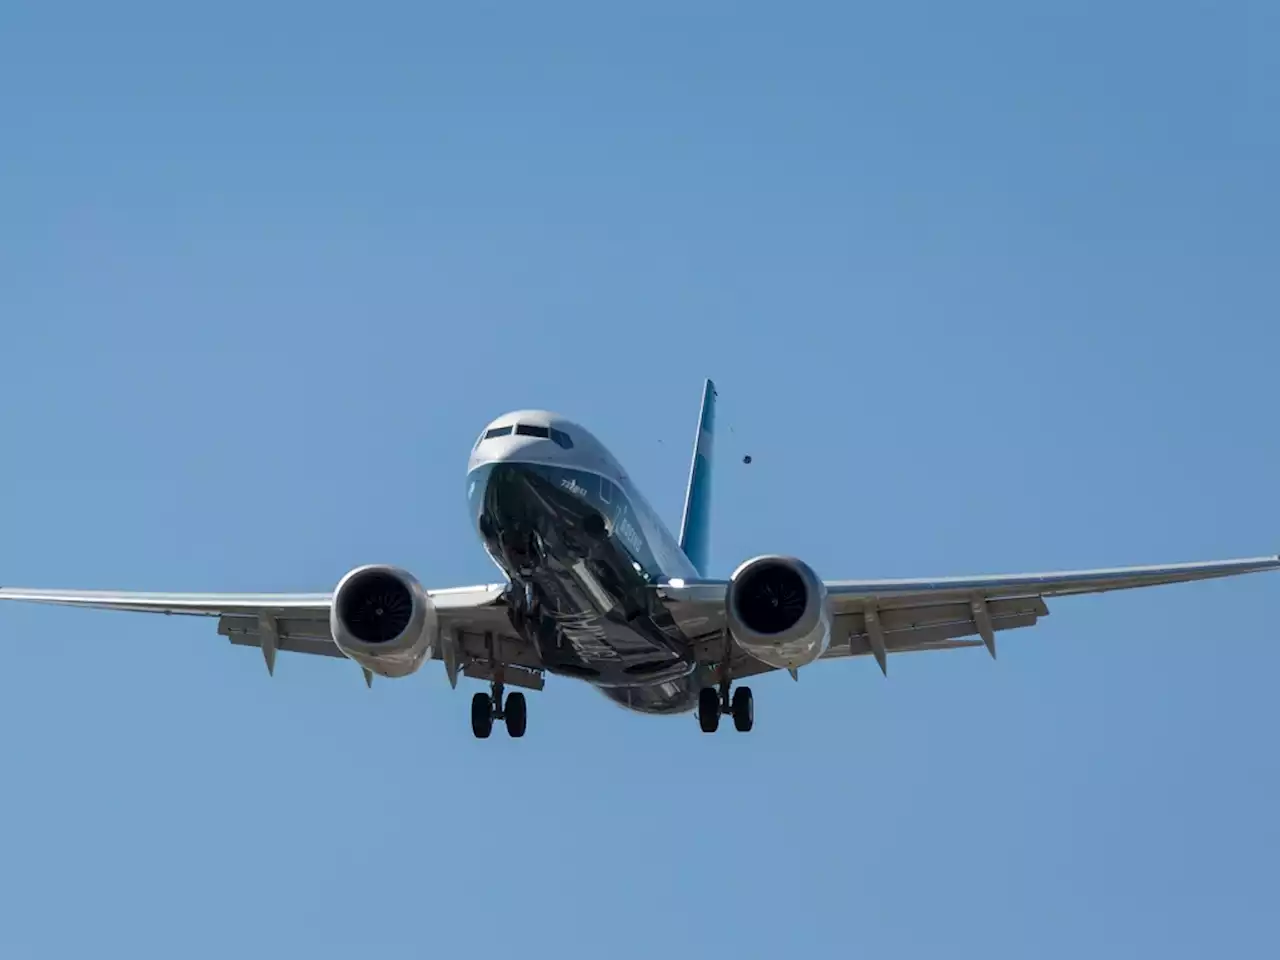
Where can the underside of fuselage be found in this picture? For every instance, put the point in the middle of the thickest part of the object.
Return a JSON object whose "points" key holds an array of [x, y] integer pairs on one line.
{"points": [[581, 574]]}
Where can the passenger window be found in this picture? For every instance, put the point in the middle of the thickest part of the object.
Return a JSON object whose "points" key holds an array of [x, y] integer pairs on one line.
{"points": [[527, 430], [562, 438], [497, 432]]}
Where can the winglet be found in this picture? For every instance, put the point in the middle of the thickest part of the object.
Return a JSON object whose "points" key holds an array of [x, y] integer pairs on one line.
{"points": [[695, 525]]}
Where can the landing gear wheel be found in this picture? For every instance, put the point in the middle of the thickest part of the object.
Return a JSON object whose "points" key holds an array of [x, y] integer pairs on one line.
{"points": [[481, 716], [708, 709], [744, 709], [516, 714]]}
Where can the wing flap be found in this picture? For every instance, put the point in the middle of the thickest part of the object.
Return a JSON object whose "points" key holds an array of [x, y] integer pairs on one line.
{"points": [[470, 629], [512, 676], [931, 628], [938, 627], [294, 634], [905, 621]]}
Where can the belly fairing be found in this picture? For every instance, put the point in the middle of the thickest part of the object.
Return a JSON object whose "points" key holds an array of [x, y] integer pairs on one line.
{"points": [[583, 571]]}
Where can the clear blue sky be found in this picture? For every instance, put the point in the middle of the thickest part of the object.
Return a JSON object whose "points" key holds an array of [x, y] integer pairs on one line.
{"points": [[984, 290]]}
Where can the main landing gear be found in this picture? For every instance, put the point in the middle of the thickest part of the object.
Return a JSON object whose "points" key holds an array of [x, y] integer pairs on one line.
{"points": [[488, 707], [712, 703]]}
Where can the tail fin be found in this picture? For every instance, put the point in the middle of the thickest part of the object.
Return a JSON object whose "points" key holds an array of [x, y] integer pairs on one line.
{"points": [[695, 525]]}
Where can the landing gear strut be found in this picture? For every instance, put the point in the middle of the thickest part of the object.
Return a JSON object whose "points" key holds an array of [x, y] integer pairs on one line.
{"points": [[488, 707], [712, 703]]}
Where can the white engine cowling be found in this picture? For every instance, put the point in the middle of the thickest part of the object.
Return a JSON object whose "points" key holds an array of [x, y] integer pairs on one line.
{"points": [[382, 619], [777, 611]]}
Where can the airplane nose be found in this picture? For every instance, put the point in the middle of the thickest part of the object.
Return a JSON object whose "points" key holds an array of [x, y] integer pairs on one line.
{"points": [[477, 485]]}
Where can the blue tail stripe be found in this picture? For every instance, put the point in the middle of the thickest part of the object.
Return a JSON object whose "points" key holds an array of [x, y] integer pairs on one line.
{"points": [[695, 526]]}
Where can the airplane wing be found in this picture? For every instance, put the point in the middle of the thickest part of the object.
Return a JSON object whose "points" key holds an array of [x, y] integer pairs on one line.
{"points": [[471, 619], [879, 617]]}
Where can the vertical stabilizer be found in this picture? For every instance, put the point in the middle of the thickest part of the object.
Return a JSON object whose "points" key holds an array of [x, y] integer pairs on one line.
{"points": [[695, 525]]}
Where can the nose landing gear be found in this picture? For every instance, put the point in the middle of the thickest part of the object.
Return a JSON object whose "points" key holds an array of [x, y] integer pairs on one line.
{"points": [[712, 703], [487, 707]]}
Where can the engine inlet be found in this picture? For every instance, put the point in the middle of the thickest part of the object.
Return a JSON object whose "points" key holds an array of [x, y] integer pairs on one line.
{"points": [[771, 598], [376, 607]]}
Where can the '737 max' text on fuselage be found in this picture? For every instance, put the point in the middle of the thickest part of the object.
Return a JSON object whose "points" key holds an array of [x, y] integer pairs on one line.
{"points": [[596, 588]]}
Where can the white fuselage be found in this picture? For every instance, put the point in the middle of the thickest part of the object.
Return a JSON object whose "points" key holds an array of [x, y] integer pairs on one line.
{"points": [[583, 550]]}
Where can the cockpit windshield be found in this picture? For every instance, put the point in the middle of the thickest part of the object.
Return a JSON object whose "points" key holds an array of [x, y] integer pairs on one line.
{"points": [[561, 438]]}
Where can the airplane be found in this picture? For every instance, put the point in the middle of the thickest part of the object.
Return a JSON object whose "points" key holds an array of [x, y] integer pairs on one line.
{"points": [[596, 588]]}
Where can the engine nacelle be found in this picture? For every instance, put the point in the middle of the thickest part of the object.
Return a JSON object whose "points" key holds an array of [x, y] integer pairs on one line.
{"points": [[382, 619], [777, 611]]}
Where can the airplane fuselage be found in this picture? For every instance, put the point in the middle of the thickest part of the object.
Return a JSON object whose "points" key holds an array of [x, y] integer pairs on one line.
{"points": [[583, 550]]}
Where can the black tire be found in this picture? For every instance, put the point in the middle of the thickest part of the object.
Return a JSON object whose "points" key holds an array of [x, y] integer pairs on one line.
{"points": [[744, 710], [708, 709], [516, 713], [481, 716]]}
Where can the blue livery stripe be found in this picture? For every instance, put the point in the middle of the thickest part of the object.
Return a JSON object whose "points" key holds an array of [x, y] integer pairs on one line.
{"points": [[695, 526]]}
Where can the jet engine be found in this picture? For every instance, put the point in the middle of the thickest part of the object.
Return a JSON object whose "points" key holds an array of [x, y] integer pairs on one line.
{"points": [[777, 611], [382, 619]]}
